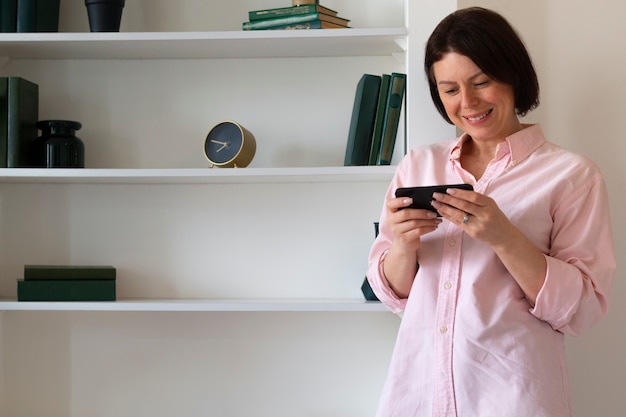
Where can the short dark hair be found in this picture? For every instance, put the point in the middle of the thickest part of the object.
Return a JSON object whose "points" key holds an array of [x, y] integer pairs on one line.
{"points": [[490, 41]]}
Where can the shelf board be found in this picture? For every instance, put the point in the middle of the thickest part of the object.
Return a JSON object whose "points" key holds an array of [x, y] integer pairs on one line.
{"points": [[196, 175], [215, 305], [198, 45]]}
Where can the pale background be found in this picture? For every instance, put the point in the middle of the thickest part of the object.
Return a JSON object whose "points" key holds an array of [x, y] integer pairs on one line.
{"points": [[299, 239]]}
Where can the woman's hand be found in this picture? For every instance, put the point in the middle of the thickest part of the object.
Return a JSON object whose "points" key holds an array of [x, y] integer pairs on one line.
{"points": [[481, 218], [477, 214], [408, 226]]}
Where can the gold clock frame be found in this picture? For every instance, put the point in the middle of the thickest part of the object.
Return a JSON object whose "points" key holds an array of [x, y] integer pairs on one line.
{"points": [[246, 152]]}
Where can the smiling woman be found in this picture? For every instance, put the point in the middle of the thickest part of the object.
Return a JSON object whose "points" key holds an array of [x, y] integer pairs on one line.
{"points": [[489, 289]]}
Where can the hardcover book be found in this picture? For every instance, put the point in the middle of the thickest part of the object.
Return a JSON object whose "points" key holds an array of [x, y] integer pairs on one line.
{"points": [[38, 15], [380, 118], [4, 119], [362, 121], [68, 272], [314, 24], [289, 11], [392, 117], [286, 20], [23, 112], [66, 290], [8, 15]]}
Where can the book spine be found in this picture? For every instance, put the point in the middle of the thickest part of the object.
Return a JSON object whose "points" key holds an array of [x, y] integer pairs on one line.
{"points": [[392, 117], [362, 121], [265, 23], [4, 119], [26, 15], [53, 272], [23, 112], [380, 118], [8, 16], [60, 290], [281, 12], [47, 16]]}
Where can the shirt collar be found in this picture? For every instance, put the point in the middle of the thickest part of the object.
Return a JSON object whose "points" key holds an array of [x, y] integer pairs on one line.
{"points": [[519, 145]]}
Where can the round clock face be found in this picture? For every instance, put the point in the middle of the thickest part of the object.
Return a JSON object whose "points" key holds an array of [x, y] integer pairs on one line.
{"points": [[223, 143]]}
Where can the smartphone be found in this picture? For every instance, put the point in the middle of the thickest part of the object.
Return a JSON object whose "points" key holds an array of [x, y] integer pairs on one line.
{"points": [[422, 196]]}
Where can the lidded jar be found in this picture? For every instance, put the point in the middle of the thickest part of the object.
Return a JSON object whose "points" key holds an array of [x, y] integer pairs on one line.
{"points": [[62, 148]]}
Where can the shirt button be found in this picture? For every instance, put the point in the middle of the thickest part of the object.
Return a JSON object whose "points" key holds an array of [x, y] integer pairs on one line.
{"points": [[447, 285], [443, 329], [452, 242]]}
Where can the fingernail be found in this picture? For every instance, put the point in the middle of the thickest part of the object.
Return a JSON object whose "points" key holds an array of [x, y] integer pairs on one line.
{"points": [[451, 191], [407, 201], [432, 215]]}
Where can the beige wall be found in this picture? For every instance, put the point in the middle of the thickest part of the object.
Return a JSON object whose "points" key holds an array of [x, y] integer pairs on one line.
{"points": [[578, 48]]}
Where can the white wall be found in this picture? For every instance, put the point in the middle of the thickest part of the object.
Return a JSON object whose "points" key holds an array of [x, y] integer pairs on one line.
{"points": [[578, 49]]}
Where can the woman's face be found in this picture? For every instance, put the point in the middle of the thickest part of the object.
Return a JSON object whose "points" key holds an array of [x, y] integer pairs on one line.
{"points": [[477, 104]]}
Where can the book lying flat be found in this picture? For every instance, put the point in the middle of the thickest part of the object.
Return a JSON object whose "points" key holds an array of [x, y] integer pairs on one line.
{"points": [[314, 24], [68, 272], [66, 290], [289, 11]]}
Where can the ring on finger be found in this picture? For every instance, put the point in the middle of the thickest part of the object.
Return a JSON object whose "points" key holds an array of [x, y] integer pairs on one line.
{"points": [[466, 218]]}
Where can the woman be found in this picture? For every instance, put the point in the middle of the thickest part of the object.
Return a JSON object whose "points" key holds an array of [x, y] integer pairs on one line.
{"points": [[488, 290]]}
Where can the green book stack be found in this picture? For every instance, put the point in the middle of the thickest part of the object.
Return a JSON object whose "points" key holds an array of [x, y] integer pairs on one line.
{"points": [[306, 16], [375, 119], [67, 283]]}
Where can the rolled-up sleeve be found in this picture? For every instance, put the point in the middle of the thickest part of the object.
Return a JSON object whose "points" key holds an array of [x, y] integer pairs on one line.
{"points": [[581, 262]]}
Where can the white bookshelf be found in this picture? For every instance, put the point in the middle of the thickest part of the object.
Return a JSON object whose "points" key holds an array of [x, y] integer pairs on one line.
{"points": [[196, 175], [215, 305]]}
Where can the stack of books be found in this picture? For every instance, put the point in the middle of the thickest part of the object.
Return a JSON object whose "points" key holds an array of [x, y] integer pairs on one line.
{"points": [[375, 119], [29, 15], [304, 16], [19, 111], [67, 283]]}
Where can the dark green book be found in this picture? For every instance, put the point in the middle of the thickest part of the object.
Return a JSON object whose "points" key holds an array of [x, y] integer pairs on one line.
{"points": [[66, 290], [47, 16], [22, 116], [4, 119], [68, 272], [313, 24], [380, 117], [392, 117], [362, 121], [289, 11], [38, 15], [8, 16], [286, 20]]}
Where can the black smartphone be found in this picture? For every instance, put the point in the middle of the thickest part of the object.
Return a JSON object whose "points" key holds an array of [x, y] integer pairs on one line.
{"points": [[422, 196]]}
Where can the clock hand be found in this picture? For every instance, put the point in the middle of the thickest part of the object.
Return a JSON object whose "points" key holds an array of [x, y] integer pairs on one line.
{"points": [[224, 144]]}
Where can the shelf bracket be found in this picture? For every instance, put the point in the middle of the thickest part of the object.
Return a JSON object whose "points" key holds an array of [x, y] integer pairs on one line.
{"points": [[403, 44]]}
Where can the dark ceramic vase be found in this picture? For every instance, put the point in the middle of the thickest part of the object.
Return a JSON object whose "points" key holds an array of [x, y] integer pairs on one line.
{"points": [[104, 15], [62, 148]]}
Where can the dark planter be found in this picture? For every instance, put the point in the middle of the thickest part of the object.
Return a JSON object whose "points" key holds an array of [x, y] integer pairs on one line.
{"points": [[104, 15]]}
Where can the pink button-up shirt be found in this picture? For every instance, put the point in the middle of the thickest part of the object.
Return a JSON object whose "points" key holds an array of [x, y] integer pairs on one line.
{"points": [[470, 344]]}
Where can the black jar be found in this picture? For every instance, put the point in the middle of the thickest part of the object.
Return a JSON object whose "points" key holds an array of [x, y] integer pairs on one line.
{"points": [[62, 148]]}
